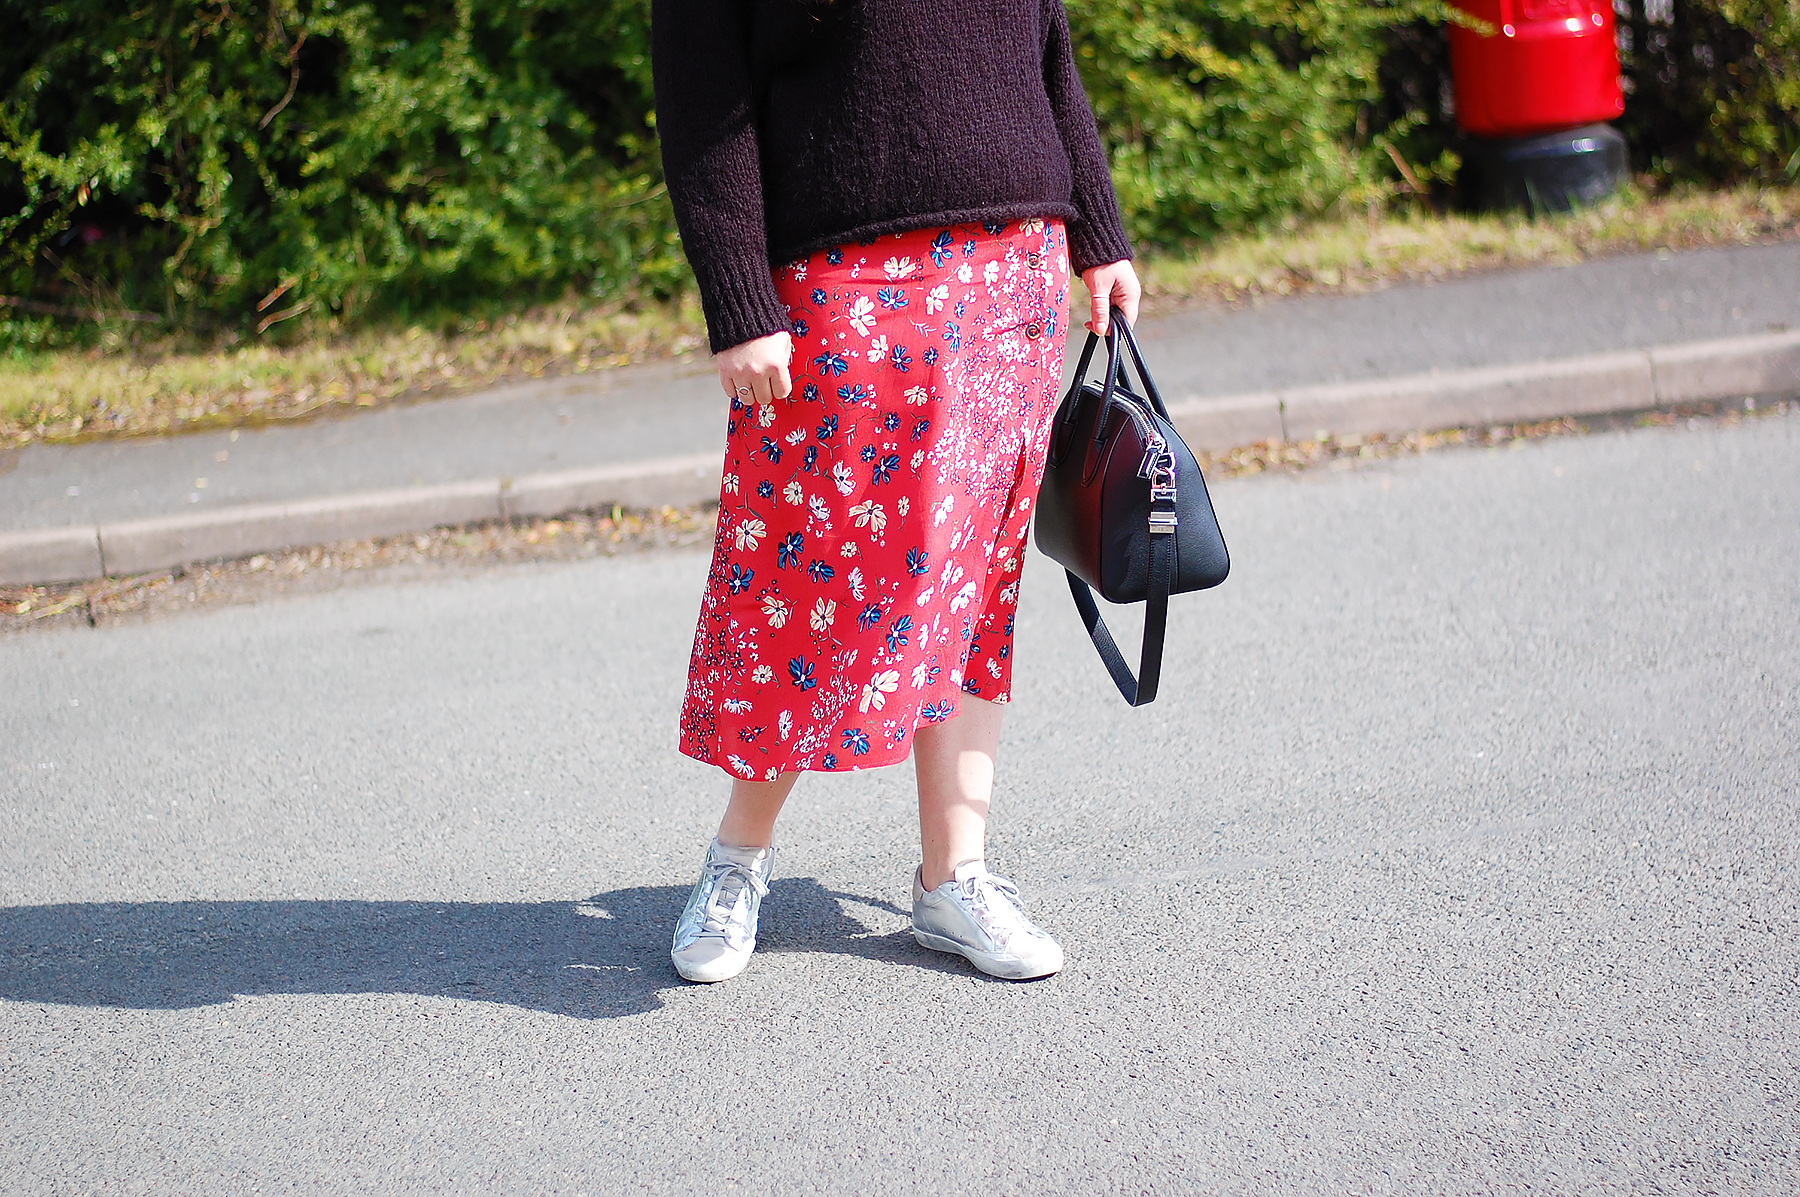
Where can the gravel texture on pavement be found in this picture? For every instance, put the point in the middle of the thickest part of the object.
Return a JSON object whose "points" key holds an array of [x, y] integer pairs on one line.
{"points": [[1457, 856]]}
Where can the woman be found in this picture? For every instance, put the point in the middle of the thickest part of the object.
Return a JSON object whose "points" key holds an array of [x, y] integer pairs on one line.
{"points": [[881, 201]]}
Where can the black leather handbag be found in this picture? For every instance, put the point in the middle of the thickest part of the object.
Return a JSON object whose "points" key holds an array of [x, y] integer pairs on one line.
{"points": [[1123, 508]]}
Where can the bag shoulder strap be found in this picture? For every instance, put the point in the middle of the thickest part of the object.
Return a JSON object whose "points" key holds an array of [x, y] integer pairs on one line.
{"points": [[1141, 689]]}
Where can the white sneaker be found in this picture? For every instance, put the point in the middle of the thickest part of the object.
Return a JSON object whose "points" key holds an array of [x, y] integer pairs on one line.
{"points": [[717, 931], [977, 916]]}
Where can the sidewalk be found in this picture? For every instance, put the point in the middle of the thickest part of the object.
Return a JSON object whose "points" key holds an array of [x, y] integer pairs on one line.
{"points": [[1615, 335]]}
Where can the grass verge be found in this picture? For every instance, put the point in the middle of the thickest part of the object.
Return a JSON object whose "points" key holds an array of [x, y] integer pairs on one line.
{"points": [[129, 386]]}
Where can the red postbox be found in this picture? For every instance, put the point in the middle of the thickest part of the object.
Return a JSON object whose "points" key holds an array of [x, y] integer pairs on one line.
{"points": [[1533, 91]]}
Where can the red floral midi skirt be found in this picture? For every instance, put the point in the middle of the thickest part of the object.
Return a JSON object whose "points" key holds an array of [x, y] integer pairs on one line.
{"points": [[872, 526]]}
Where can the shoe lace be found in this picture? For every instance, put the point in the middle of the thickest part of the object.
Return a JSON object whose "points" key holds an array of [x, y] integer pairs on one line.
{"points": [[729, 880], [994, 903]]}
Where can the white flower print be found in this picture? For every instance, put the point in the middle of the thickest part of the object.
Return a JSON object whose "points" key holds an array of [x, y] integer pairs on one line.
{"points": [[964, 597], [777, 609], [918, 459], [900, 267], [921, 671], [737, 706], [924, 599], [1010, 594], [846, 481], [878, 688], [816, 507], [965, 273], [941, 511], [765, 414], [934, 298], [990, 273], [762, 675], [795, 437], [784, 725], [993, 667], [742, 766], [793, 494], [862, 315], [847, 549], [824, 614], [799, 269], [878, 349], [749, 533], [870, 515], [918, 396], [901, 504], [856, 584], [731, 487]]}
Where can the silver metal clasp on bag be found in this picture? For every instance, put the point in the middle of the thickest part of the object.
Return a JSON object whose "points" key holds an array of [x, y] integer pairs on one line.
{"points": [[1159, 468]]}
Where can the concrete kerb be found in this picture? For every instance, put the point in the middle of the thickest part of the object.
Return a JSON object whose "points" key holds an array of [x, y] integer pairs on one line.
{"points": [[1601, 384]]}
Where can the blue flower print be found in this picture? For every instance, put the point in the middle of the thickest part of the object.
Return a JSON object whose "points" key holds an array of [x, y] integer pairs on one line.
{"points": [[789, 553], [940, 248], [765, 489], [748, 734], [1005, 651], [831, 363], [827, 427], [810, 392], [900, 359], [884, 469], [937, 712], [868, 617], [892, 298], [1008, 629], [930, 355], [993, 228], [857, 741], [969, 248], [898, 735], [829, 760], [854, 395], [896, 637], [867, 453], [891, 421], [920, 429], [801, 670], [819, 297], [931, 675], [818, 571], [800, 328], [835, 256], [809, 460], [961, 308], [771, 449], [915, 562], [740, 579], [953, 334], [972, 686]]}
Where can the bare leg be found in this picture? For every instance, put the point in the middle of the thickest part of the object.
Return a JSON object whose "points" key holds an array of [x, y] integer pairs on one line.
{"points": [[749, 820], [954, 761]]}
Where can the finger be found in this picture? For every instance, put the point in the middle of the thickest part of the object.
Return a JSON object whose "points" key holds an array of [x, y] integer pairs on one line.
{"points": [[1100, 298], [782, 384], [727, 382], [1126, 296], [762, 388]]}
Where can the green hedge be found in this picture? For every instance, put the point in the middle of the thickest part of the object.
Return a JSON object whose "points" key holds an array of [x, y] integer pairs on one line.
{"points": [[235, 165]]}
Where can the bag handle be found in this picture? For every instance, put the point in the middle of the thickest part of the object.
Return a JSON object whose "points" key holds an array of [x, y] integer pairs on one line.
{"points": [[1141, 689]]}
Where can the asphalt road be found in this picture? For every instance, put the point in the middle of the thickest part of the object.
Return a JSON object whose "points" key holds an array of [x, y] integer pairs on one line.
{"points": [[1458, 856]]}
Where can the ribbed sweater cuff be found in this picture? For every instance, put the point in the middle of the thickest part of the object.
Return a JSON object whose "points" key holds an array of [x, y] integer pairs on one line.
{"points": [[740, 303], [1092, 245]]}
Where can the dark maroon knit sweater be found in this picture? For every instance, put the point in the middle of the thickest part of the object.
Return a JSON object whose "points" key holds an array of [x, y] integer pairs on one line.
{"points": [[790, 126]]}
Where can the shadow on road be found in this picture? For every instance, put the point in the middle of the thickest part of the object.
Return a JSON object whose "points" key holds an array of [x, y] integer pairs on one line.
{"points": [[604, 957]]}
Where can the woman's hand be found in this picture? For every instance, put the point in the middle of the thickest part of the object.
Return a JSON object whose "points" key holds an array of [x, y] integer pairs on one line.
{"points": [[757, 371], [1113, 283]]}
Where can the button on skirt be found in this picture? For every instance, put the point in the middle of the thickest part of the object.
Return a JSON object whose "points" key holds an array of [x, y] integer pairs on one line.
{"points": [[872, 526]]}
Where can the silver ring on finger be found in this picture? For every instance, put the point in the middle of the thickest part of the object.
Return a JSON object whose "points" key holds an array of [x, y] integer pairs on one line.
{"points": [[744, 392]]}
